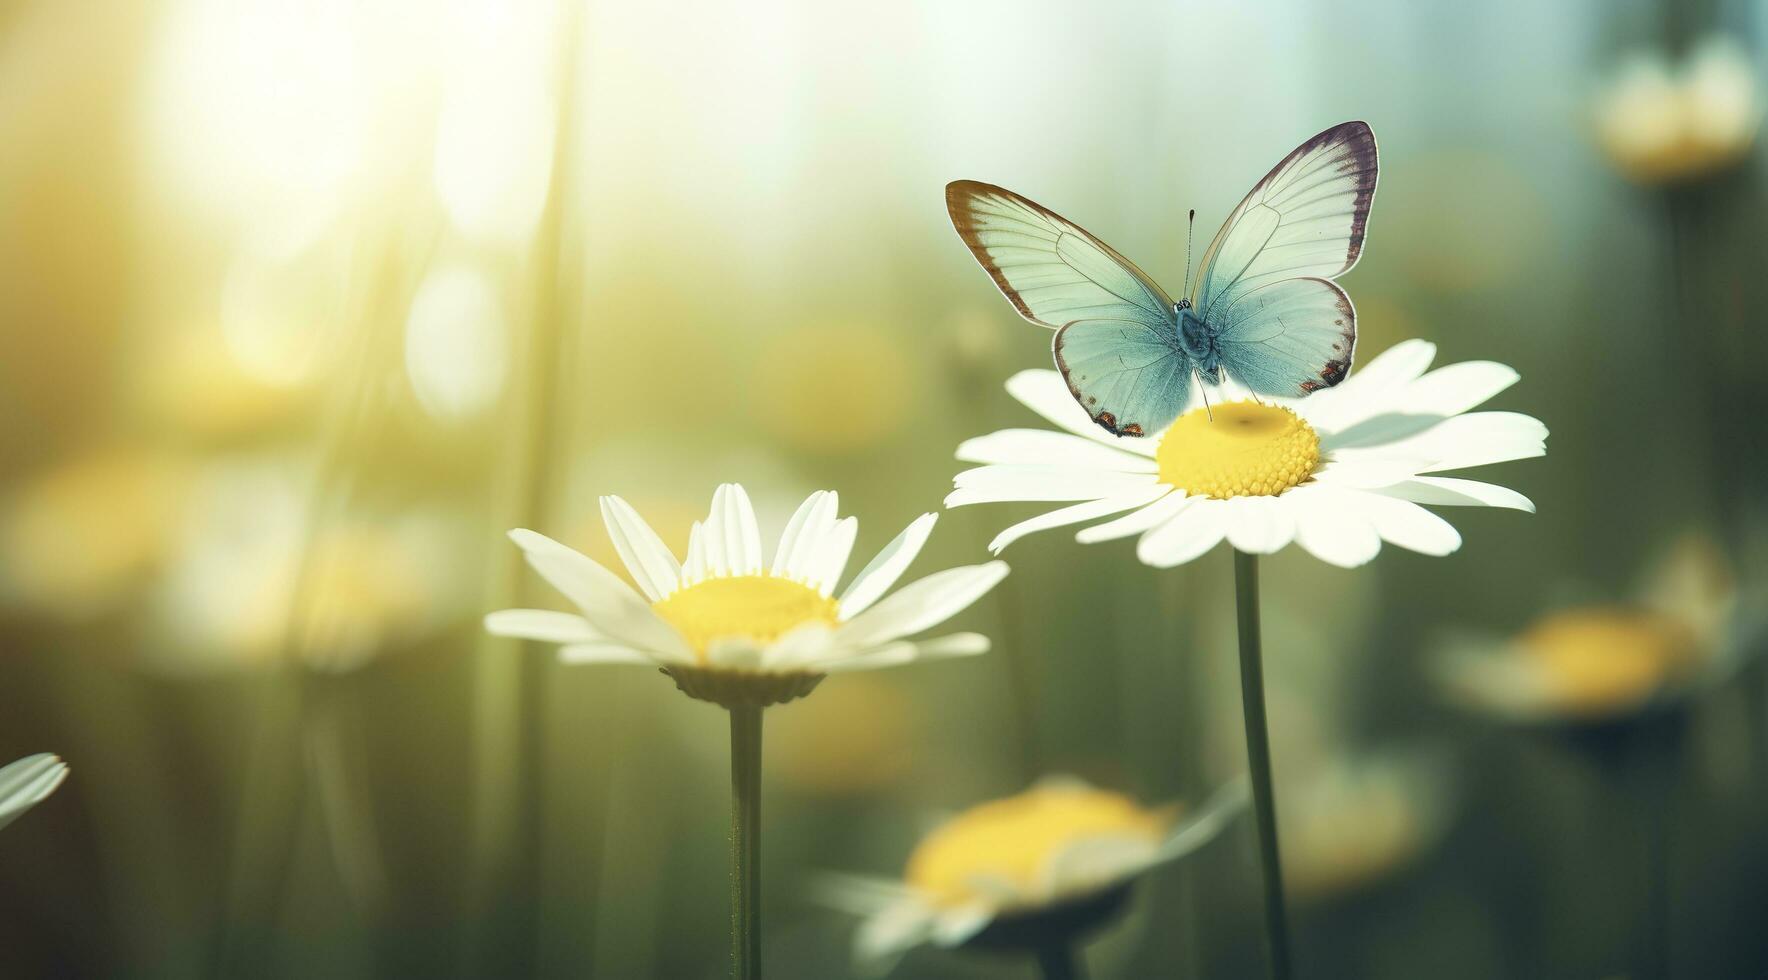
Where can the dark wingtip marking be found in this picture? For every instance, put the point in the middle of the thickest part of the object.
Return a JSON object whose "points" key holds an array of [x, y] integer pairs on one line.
{"points": [[1335, 370], [1133, 429]]}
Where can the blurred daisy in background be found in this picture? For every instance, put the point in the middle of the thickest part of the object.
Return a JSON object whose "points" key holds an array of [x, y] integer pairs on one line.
{"points": [[256, 575], [1661, 123], [724, 615], [1360, 818], [1337, 472], [1685, 632], [28, 782], [84, 533], [1036, 869]]}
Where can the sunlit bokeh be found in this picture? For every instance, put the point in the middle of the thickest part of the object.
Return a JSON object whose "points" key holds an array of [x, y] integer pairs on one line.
{"points": [[306, 304]]}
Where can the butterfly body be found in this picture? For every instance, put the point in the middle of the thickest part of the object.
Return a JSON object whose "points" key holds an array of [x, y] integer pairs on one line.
{"points": [[1264, 310]]}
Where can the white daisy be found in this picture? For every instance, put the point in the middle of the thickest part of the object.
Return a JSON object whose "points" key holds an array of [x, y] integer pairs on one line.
{"points": [[28, 782], [1337, 472], [1046, 864], [1683, 633], [726, 612]]}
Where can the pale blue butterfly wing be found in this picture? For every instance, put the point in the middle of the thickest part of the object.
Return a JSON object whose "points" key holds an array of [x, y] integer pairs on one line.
{"points": [[1052, 270], [1279, 327], [1288, 338], [1117, 342], [1132, 377]]}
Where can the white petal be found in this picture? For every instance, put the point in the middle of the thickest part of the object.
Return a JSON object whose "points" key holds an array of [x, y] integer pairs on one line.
{"points": [[608, 603], [541, 624], [27, 782], [1451, 492], [1044, 392], [695, 568], [713, 535], [742, 536], [1462, 441], [882, 571], [735, 653], [1041, 446], [1155, 514], [794, 527], [1400, 364], [1456, 388], [889, 655], [993, 484], [1330, 525], [828, 565], [1368, 471], [1196, 529], [1259, 525], [922, 605], [801, 648], [955, 927], [1370, 389], [1202, 825], [1093, 862], [604, 653], [1077, 513], [884, 937], [1408, 525], [653, 568], [801, 563]]}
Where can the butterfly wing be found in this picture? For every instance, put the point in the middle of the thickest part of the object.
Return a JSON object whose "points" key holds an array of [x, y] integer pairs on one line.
{"points": [[1132, 377], [1053, 271], [1288, 338], [1280, 326]]}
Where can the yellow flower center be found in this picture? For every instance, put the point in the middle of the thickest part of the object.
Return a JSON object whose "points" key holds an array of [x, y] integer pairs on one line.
{"points": [[1246, 450], [1013, 840], [1604, 658], [755, 607]]}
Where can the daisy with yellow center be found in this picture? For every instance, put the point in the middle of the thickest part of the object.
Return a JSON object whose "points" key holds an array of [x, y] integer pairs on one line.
{"points": [[724, 611], [1604, 661], [744, 633], [28, 782], [1662, 123], [1031, 870], [1338, 472]]}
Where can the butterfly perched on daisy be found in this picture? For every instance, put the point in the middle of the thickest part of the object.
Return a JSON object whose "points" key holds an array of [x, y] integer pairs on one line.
{"points": [[1264, 309]]}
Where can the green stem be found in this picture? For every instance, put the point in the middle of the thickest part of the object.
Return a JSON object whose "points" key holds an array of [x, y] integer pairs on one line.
{"points": [[745, 843], [1059, 961], [1258, 761]]}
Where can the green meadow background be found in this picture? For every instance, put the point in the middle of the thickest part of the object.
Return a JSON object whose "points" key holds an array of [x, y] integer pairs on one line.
{"points": [[303, 305]]}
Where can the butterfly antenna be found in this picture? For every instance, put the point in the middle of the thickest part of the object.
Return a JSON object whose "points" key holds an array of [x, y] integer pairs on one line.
{"points": [[1190, 226]]}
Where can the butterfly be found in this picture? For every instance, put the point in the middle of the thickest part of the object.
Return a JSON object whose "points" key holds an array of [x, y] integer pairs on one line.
{"points": [[1264, 309]]}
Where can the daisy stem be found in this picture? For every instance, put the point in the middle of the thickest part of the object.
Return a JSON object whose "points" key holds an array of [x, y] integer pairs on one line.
{"points": [[1258, 761], [1059, 961], [745, 842]]}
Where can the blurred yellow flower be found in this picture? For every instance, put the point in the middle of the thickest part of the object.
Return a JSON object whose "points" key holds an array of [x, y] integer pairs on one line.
{"points": [[833, 388], [1048, 849], [1012, 850], [1358, 819], [1596, 659], [1599, 661], [79, 535], [254, 578], [1660, 123]]}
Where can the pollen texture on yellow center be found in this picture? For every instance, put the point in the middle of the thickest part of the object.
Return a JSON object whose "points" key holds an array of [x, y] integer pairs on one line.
{"points": [[761, 608], [1245, 450], [1601, 658], [1013, 841]]}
